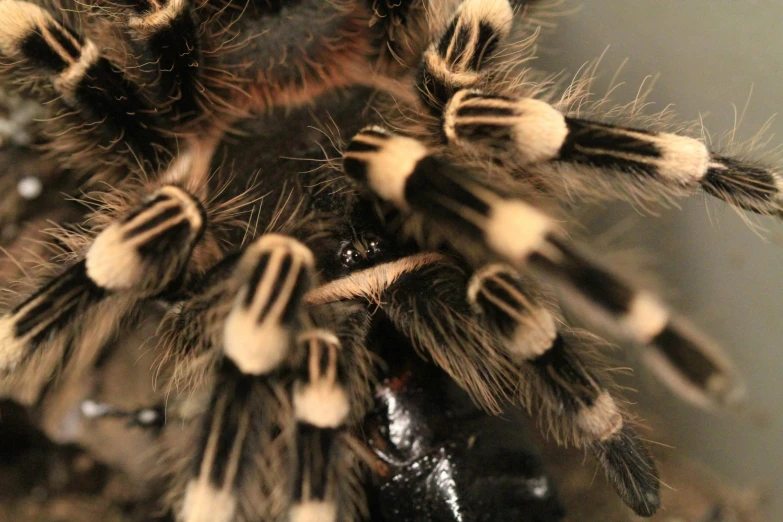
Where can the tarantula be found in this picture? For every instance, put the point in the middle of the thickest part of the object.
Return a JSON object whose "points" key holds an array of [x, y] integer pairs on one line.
{"points": [[267, 270]]}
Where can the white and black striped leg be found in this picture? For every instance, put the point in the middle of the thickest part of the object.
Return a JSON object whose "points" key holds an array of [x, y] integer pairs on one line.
{"points": [[594, 157], [685, 359], [142, 254], [249, 405], [557, 384], [454, 61], [276, 271], [36, 51], [322, 408], [147, 250], [246, 305], [402, 171], [239, 444], [167, 33], [351, 321], [36, 321]]}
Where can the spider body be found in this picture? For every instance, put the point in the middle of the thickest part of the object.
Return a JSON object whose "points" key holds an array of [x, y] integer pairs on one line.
{"points": [[440, 458], [268, 269]]}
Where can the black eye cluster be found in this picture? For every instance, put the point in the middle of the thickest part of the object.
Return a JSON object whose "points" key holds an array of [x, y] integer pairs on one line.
{"points": [[353, 255]]}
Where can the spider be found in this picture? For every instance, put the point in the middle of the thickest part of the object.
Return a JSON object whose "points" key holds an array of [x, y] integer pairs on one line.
{"points": [[265, 270]]}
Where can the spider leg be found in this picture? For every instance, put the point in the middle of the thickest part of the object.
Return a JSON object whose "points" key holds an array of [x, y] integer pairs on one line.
{"points": [[583, 154], [475, 217], [264, 320], [167, 34], [451, 318], [532, 135], [273, 353], [99, 108], [139, 256], [236, 431], [421, 296], [456, 60], [265, 311], [322, 408], [257, 337], [559, 386]]}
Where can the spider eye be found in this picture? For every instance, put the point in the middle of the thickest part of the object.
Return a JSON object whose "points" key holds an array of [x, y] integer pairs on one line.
{"points": [[349, 256]]}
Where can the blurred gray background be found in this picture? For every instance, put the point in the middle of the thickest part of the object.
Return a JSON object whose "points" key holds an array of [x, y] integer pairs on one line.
{"points": [[709, 54]]}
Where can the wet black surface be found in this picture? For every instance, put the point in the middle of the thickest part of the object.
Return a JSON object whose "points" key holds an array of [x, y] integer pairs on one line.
{"points": [[447, 460]]}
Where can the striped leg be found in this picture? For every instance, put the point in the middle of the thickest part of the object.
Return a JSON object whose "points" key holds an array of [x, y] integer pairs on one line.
{"points": [[249, 405], [322, 408], [140, 255], [424, 298], [456, 59], [246, 306], [476, 217], [40, 54], [264, 318], [596, 158], [559, 387], [331, 392], [580, 153], [239, 449], [263, 340]]}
